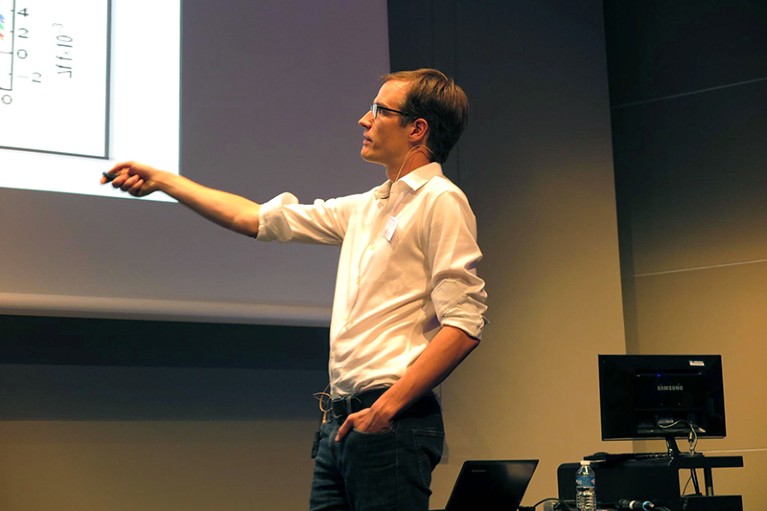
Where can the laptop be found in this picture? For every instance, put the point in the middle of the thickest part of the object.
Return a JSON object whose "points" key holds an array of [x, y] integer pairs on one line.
{"points": [[493, 485]]}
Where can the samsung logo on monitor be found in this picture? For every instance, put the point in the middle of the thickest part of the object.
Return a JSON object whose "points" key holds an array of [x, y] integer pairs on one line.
{"points": [[670, 388]]}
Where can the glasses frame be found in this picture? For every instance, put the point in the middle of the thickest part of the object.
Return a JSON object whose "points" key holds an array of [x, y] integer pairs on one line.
{"points": [[375, 108]]}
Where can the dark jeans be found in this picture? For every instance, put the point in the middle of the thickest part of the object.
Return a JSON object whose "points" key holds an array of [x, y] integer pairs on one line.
{"points": [[388, 471]]}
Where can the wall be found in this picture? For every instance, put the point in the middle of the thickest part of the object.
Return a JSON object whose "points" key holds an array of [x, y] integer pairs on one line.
{"points": [[122, 415], [128, 438], [688, 91], [536, 163]]}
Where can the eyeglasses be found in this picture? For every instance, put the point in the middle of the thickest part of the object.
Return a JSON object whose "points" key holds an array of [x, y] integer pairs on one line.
{"points": [[375, 108]]}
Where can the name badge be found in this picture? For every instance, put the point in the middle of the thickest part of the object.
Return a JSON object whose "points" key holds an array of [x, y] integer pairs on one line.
{"points": [[391, 226]]}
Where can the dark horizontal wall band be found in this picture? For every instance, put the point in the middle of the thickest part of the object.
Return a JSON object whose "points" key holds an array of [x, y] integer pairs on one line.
{"points": [[79, 341], [658, 48]]}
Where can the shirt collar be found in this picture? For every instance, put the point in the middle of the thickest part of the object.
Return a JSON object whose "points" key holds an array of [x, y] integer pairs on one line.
{"points": [[414, 180]]}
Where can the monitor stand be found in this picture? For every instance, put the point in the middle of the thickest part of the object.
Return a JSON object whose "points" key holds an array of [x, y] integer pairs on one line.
{"points": [[672, 449]]}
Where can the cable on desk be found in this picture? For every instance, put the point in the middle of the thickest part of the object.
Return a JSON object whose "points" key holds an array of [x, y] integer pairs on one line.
{"points": [[558, 505]]}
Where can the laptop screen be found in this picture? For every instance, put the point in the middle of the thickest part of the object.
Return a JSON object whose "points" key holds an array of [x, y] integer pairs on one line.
{"points": [[494, 485]]}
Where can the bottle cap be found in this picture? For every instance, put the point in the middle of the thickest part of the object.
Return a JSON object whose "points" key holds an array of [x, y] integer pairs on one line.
{"points": [[585, 463]]}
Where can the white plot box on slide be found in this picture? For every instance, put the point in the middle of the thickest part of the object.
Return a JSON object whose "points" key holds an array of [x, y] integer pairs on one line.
{"points": [[54, 76]]}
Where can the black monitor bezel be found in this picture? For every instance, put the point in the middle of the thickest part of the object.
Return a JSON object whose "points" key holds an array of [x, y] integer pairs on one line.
{"points": [[620, 416]]}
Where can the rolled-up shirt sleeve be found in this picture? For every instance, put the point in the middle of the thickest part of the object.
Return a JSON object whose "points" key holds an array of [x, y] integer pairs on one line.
{"points": [[458, 293], [272, 223], [283, 219]]}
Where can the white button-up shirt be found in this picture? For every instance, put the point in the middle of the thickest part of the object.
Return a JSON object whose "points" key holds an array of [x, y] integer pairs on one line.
{"points": [[407, 266]]}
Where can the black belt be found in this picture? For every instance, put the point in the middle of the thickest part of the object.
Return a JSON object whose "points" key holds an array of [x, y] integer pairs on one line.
{"points": [[341, 407]]}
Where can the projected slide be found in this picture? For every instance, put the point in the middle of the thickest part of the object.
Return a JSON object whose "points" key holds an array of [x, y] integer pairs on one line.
{"points": [[86, 84], [54, 76]]}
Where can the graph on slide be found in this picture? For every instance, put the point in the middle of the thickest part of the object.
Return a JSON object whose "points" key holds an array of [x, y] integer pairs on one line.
{"points": [[54, 76]]}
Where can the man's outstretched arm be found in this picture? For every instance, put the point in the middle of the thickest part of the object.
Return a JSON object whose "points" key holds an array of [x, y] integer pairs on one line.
{"points": [[225, 209]]}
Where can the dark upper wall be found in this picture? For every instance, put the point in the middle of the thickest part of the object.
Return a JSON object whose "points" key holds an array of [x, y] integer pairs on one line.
{"points": [[658, 48], [688, 89]]}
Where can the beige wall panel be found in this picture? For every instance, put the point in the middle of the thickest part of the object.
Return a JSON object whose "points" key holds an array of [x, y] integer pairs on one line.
{"points": [[531, 389], [718, 310], [154, 465]]}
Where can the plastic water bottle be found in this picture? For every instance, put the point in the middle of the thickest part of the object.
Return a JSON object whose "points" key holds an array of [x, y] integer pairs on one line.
{"points": [[585, 488]]}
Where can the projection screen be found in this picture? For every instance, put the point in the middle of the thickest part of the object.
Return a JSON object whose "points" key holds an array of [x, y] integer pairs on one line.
{"points": [[253, 97]]}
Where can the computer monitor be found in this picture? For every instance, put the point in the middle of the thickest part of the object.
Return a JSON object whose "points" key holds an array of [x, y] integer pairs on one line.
{"points": [[661, 397]]}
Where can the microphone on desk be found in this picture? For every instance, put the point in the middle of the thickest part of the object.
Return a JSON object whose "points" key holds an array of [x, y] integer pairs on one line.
{"points": [[635, 504]]}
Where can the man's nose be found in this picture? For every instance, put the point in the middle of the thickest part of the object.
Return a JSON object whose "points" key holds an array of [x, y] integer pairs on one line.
{"points": [[366, 120]]}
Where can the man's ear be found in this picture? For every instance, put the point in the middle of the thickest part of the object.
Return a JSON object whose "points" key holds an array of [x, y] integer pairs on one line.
{"points": [[419, 133]]}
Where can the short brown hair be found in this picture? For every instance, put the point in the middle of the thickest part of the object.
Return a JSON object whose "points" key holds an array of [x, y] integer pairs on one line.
{"points": [[436, 98]]}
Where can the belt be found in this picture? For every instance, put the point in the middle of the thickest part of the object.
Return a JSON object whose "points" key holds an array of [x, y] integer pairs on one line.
{"points": [[341, 407]]}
